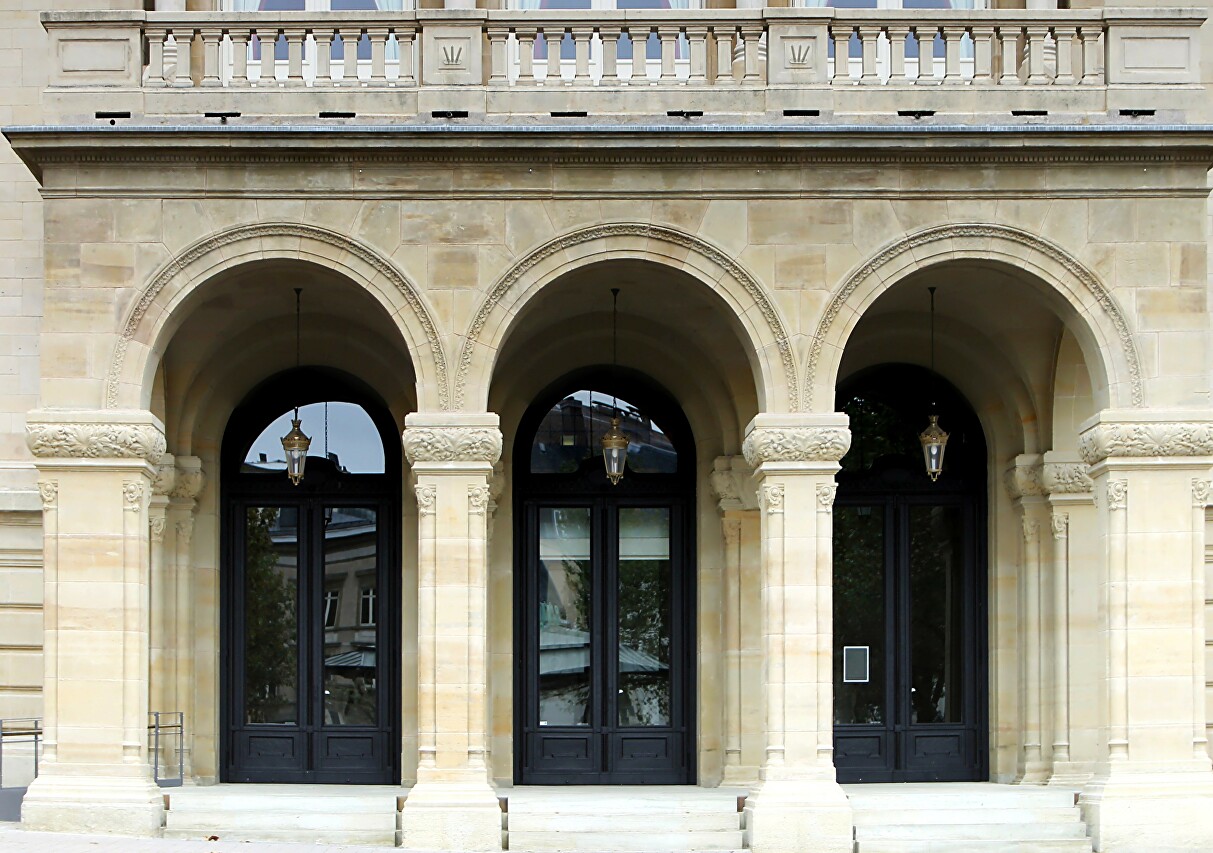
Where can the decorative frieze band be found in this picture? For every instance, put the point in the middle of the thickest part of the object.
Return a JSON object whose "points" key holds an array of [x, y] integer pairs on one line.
{"points": [[1067, 478], [452, 444], [52, 435], [796, 444], [1106, 439]]}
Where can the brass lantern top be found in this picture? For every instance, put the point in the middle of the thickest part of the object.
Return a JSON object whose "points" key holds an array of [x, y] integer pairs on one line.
{"points": [[296, 445], [615, 451], [934, 440]]}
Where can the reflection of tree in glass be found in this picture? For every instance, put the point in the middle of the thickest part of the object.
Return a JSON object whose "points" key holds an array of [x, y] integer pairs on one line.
{"points": [[934, 606], [644, 609], [877, 430], [270, 623], [859, 609]]}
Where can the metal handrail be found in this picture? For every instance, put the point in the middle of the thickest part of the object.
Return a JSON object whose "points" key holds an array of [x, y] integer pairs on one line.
{"points": [[165, 725], [27, 730]]}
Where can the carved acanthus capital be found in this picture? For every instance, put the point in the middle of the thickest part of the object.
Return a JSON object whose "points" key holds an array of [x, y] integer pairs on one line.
{"points": [[1118, 494], [732, 483], [166, 476], [826, 493], [1025, 478], [478, 499], [427, 495], [452, 444], [1145, 438], [771, 497], [1067, 478], [795, 443], [48, 490], [190, 478], [132, 496], [95, 435], [157, 523], [1061, 525]]}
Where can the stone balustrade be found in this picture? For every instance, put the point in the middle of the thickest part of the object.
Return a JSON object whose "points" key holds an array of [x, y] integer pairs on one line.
{"points": [[735, 62]]}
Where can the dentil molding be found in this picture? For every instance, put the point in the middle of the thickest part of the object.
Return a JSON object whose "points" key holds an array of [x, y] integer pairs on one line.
{"points": [[1141, 438], [452, 444], [83, 435]]}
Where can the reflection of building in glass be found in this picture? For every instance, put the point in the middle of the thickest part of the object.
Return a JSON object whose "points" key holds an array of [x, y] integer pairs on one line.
{"points": [[572, 431], [350, 558]]}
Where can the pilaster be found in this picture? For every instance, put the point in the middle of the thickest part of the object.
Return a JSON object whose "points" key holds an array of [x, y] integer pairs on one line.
{"points": [[799, 804], [452, 806], [96, 470], [1154, 782]]}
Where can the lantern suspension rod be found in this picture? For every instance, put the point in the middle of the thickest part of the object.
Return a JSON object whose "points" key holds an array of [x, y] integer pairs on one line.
{"points": [[614, 350], [298, 350], [931, 290]]}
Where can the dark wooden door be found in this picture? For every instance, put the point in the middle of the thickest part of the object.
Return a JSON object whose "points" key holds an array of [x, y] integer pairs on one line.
{"points": [[605, 609], [907, 653], [310, 650]]}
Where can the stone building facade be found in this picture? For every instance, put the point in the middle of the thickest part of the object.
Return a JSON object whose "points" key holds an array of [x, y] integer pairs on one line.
{"points": [[456, 204]]}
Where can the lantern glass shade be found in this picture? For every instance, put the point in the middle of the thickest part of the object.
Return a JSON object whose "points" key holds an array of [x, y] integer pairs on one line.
{"points": [[934, 441], [295, 445], [614, 452]]}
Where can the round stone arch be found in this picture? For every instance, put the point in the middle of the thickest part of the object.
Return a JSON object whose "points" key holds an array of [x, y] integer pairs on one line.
{"points": [[766, 337], [1102, 329], [155, 314]]}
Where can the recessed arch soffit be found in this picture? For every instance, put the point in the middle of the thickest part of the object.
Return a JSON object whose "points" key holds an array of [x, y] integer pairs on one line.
{"points": [[1001, 242], [635, 240], [218, 252]]}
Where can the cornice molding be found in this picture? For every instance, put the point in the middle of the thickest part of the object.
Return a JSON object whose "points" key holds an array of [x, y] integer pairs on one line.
{"points": [[216, 242], [988, 231], [94, 435], [452, 444], [1145, 439]]}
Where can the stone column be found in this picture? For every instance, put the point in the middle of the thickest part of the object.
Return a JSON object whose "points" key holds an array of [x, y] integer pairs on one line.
{"points": [[452, 806], [1024, 482], [1152, 787], [188, 481], [1070, 500], [95, 471], [799, 804]]}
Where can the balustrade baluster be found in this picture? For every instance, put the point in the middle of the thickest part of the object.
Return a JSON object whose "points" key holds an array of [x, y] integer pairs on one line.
{"points": [[405, 39], [897, 53], [154, 76], [295, 37], [926, 54], [983, 56], [239, 38], [498, 56], [349, 55], [669, 49], [323, 39], [1092, 56], [582, 37], [610, 55], [1064, 38], [267, 37], [697, 42], [869, 39], [1037, 35], [1009, 39], [724, 54], [754, 72], [526, 57], [640, 54], [184, 37], [551, 56], [378, 37], [211, 37], [952, 39]]}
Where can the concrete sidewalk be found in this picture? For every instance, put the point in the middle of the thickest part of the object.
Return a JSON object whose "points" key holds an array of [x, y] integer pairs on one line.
{"points": [[17, 840]]}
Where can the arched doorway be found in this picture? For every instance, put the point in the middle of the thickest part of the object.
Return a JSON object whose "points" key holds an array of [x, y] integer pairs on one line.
{"points": [[909, 586], [310, 575], [604, 585]]}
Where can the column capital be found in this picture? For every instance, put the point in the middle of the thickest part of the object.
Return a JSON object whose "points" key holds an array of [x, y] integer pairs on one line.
{"points": [[1025, 477], [731, 483], [791, 440], [444, 440], [1067, 478], [95, 434], [188, 478], [1146, 434]]}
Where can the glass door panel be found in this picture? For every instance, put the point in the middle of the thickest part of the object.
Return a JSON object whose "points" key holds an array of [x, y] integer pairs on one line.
{"points": [[271, 615], [349, 688], [936, 593], [643, 616], [563, 603], [859, 615]]}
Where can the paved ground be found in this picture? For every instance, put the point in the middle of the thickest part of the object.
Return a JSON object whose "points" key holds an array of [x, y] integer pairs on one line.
{"points": [[16, 840]]}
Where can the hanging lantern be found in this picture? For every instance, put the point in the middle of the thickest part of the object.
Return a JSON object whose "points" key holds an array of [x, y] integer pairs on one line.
{"points": [[615, 452], [295, 445], [934, 442]]}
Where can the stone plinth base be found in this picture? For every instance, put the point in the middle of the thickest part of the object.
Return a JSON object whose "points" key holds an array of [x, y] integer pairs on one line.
{"points": [[1150, 813], [451, 816], [122, 805], [804, 816]]}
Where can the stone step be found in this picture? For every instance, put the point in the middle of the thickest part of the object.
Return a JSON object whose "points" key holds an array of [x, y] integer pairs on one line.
{"points": [[932, 845], [212, 801], [867, 815], [625, 821], [974, 831], [330, 818], [376, 838], [624, 842]]}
